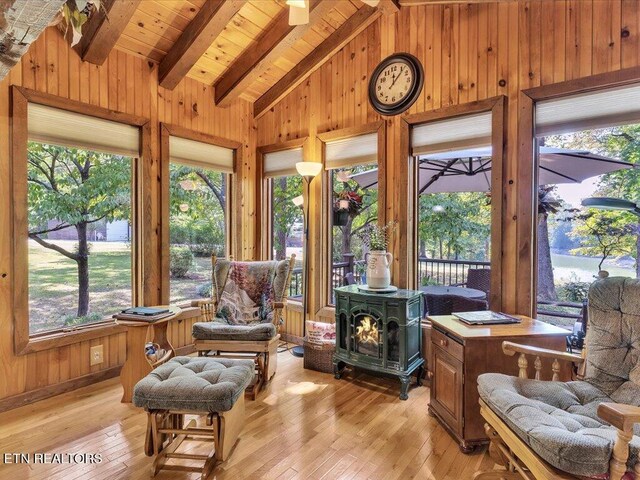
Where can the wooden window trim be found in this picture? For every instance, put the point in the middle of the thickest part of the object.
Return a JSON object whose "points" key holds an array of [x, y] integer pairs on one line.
{"points": [[233, 205], [527, 248], [322, 255], [408, 173], [141, 257]]}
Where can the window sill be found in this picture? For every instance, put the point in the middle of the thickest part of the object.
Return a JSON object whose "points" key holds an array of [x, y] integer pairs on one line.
{"points": [[47, 341]]}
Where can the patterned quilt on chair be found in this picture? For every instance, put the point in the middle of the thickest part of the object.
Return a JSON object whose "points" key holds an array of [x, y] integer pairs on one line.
{"points": [[248, 293]]}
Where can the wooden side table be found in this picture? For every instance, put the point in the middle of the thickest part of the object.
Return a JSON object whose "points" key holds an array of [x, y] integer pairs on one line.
{"points": [[460, 353], [137, 366]]}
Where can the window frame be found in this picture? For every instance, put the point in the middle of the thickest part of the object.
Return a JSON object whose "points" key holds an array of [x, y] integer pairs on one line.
{"points": [[24, 342], [323, 306], [409, 170], [233, 218], [264, 184]]}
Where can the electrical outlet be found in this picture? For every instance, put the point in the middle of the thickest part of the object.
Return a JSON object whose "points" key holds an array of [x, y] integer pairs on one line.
{"points": [[97, 355]]}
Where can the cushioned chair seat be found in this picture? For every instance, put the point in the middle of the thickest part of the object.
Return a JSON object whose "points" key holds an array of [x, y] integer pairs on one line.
{"points": [[194, 384], [557, 420], [223, 331]]}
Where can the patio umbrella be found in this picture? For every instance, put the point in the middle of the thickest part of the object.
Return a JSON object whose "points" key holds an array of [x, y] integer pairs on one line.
{"points": [[469, 170]]}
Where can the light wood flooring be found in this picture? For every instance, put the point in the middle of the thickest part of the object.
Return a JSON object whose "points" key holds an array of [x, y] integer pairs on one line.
{"points": [[305, 424]]}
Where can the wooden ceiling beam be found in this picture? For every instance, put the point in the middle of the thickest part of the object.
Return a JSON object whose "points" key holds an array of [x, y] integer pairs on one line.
{"points": [[354, 25], [195, 40], [413, 3], [278, 37], [103, 29]]}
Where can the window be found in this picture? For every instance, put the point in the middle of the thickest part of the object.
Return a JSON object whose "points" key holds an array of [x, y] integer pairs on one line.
{"points": [[199, 187], [353, 179], [454, 160], [80, 218], [285, 218]]}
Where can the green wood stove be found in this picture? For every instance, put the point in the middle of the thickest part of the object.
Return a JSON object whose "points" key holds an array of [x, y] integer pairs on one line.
{"points": [[379, 332]]}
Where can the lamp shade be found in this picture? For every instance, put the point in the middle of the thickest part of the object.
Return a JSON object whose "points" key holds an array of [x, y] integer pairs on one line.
{"points": [[309, 169], [608, 203]]}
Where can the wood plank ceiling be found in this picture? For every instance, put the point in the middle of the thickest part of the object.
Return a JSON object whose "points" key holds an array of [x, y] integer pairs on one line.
{"points": [[157, 25]]}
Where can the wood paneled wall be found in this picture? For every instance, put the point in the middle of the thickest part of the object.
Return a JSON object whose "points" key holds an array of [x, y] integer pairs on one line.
{"points": [[128, 84], [469, 52]]}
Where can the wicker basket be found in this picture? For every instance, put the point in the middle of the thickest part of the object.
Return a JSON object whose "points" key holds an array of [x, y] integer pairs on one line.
{"points": [[319, 357]]}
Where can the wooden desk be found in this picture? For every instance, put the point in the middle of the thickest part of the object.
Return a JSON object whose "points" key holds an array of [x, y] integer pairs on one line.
{"points": [[460, 353], [137, 366]]}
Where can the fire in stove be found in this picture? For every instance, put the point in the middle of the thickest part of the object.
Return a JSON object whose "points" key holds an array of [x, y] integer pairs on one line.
{"points": [[367, 336]]}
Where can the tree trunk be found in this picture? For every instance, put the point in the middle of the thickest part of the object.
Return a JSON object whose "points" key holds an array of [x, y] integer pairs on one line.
{"points": [[280, 244], [546, 286], [83, 270], [422, 250], [638, 252], [346, 236]]}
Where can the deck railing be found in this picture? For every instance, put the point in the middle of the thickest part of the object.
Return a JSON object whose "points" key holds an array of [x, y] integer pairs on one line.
{"points": [[436, 271]]}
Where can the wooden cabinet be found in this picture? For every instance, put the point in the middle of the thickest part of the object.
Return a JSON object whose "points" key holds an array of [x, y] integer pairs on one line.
{"points": [[460, 353]]}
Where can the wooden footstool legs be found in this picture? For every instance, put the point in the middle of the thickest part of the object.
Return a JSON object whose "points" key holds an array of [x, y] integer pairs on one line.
{"points": [[166, 431]]}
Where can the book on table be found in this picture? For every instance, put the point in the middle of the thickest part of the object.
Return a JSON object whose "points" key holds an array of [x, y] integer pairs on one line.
{"points": [[143, 314], [485, 317]]}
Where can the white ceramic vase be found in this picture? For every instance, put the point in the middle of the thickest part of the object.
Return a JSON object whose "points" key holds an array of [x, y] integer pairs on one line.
{"points": [[378, 271]]}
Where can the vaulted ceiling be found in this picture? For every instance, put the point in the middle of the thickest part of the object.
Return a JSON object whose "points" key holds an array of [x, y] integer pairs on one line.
{"points": [[245, 48]]}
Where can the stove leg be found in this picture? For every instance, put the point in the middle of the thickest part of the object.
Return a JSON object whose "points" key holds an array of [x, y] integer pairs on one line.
{"points": [[420, 372], [337, 370], [404, 387]]}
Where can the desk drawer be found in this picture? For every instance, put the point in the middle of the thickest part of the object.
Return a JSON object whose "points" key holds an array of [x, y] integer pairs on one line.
{"points": [[447, 344]]}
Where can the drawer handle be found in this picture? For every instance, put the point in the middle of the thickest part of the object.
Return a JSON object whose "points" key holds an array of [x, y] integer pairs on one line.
{"points": [[444, 343]]}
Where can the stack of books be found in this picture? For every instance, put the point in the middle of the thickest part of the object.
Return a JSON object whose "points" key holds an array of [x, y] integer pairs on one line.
{"points": [[143, 314]]}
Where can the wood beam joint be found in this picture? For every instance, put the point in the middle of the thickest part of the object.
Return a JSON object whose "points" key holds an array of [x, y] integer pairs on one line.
{"points": [[104, 28]]}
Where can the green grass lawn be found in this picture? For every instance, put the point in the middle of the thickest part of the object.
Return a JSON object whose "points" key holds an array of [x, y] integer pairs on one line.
{"points": [[53, 283]]}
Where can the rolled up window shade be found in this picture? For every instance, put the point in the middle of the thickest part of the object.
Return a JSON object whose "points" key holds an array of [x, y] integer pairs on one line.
{"points": [[75, 130], [281, 163], [201, 155], [587, 111], [469, 131], [346, 152]]}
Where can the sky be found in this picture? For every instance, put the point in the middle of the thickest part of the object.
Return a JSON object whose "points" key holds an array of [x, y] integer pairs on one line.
{"points": [[573, 193]]}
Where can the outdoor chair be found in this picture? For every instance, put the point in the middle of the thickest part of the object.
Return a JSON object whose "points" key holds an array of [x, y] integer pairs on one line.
{"points": [[581, 429], [478, 278], [448, 304], [244, 314], [349, 279]]}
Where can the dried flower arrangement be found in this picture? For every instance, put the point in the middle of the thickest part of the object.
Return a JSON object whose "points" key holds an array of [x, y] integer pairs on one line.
{"points": [[376, 237]]}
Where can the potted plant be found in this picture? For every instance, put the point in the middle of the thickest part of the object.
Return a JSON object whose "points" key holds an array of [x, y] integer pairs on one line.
{"points": [[376, 238], [347, 203]]}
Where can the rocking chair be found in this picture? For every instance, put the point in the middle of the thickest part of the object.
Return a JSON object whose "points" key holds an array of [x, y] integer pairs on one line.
{"points": [[244, 314], [585, 429]]}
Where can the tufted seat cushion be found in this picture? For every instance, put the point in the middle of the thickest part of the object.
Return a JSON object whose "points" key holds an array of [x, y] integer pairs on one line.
{"points": [[222, 331], [557, 420], [194, 384]]}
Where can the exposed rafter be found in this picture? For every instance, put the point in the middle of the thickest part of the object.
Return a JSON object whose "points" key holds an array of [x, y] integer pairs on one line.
{"points": [[354, 25], [276, 39], [411, 3], [196, 39], [102, 31]]}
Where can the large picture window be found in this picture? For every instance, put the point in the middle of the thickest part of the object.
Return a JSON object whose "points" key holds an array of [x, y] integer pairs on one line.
{"points": [[80, 218]]}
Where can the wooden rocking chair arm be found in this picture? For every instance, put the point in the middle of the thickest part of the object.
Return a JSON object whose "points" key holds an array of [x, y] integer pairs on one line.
{"points": [[620, 415], [200, 303], [510, 349], [278, 305]]}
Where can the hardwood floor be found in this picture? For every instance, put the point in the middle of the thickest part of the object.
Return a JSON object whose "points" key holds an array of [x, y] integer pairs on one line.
{"points": [[305, 424]]}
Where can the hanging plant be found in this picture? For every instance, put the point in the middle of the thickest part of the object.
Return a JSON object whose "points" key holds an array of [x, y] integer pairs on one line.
{"points": [[74, 14]]}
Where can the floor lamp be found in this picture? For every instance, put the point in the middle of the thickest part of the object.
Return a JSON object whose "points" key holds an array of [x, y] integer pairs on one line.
{"points": [[308, 171]]}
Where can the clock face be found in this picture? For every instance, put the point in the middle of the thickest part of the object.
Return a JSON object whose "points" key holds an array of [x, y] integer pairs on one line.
{"points": [[396, 83]]}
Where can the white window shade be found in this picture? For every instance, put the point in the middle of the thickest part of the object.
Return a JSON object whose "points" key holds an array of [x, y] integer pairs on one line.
{"points": [[69, 129], [281, 163], [598, 109], [360, 150], [201, 155], [469, 131]]}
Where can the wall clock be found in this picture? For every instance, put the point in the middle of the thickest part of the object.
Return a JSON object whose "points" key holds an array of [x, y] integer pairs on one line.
{"points": [[396, 83]]}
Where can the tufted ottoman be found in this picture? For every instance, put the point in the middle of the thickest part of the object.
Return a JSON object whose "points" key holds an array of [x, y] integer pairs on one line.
{"points": [[200, 386]]}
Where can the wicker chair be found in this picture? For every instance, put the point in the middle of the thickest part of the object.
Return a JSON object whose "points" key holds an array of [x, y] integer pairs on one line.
{"points": [[582, 429], [478, 278], [447, 304], [244, 314]]}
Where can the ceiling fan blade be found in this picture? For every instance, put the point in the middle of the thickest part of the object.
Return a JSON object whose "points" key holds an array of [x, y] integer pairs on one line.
{"points": [[371, 3], [298, 12]]}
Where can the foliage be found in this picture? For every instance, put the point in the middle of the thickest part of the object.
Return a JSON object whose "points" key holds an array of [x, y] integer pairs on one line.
{"points": [[73, 320], [285, 214], [181, 260], [376, 237], [204, 290], [75, 13], [454, 224], [573, 291], [604, 233], [353, 197]]}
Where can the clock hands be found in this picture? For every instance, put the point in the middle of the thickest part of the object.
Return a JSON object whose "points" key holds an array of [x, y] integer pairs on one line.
{"points": [[394, 80]]}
